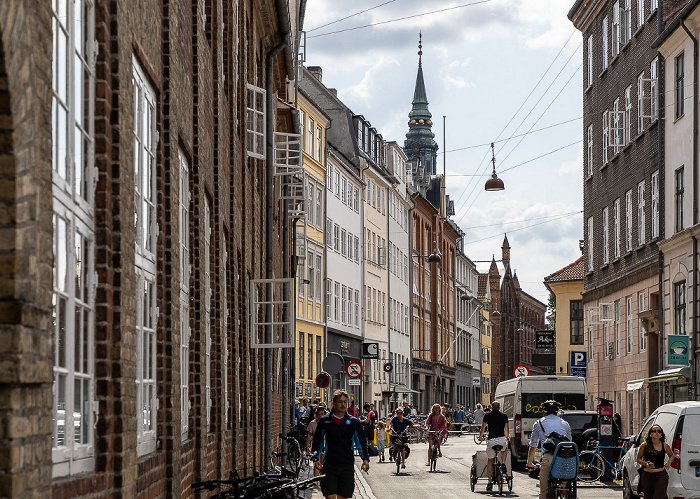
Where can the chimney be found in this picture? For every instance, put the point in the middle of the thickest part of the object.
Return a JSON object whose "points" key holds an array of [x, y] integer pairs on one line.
{"points": [[316, 72]]}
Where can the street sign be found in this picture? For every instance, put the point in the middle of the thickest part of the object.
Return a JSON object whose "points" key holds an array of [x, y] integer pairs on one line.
{"points": [[544, 339], [520, 370], [354, 369], [388, 367], [299, 390], [323, 380], [354, 382], [578, 364], [476, 381], [581, 372], [370, 350]]}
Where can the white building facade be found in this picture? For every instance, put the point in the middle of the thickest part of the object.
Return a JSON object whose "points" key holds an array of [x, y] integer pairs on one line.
{"points": [[467, 343]]}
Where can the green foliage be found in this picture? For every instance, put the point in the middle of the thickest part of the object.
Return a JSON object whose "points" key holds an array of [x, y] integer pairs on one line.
{"points": [[552, 306]]}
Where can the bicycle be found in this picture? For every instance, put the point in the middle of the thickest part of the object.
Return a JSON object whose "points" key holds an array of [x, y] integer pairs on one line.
{"points": [[432, 441], [399, 441], [500, 470], [480, 441], [261, 485], [296, 459], [591, 464]]}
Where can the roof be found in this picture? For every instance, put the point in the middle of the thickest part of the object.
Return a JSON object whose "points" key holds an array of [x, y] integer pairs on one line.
{"points": [[572, 272], [673, 21]]}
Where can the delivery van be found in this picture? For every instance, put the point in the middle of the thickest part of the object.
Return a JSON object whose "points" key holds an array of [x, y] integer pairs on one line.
{"points": [[521, 400]]}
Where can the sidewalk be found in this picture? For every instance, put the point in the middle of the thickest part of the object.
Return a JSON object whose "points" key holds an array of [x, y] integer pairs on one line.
{"points": [[362, 490]]}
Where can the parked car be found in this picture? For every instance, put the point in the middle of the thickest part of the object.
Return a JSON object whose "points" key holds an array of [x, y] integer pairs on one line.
{"points": [[680, 422], [584, 426]]}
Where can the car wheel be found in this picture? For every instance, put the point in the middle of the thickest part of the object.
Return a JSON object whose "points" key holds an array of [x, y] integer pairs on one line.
{"points": [[627, 492]]}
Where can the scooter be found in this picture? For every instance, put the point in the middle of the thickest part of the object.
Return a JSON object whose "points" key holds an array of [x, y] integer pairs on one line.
{"points": [[563, 472]]}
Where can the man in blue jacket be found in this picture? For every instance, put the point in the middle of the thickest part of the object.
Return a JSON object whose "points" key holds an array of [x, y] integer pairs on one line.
{"points": [[335, 435]]}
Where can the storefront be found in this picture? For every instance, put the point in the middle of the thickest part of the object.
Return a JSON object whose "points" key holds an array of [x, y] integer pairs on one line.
{"points": [[348, 348]]}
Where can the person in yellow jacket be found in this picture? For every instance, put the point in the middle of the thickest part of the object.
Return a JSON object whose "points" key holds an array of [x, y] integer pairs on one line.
{"points": [[381, 439]]}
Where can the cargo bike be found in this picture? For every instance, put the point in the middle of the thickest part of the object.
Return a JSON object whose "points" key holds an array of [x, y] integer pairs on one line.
{"points": [[502, 471]]}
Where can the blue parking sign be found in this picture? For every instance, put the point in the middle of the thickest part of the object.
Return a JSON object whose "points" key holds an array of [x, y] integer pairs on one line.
{"points": [[578, 364]]}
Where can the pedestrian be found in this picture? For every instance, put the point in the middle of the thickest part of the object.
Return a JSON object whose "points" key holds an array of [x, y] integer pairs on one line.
{"points": [[413, 411], [543, 428], [406, 409], [458, 418], [617, 435], [313, 425], [435, 423], [497, 423], [337, 431], [352, 410], [381, 439], [651, 455], [304, 411], [478, 415]]}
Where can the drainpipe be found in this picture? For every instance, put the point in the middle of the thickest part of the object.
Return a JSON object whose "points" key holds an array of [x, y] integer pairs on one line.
{"points": [[694, 329], [388, 295], [662, 180], [364, 266], [269, 229]]}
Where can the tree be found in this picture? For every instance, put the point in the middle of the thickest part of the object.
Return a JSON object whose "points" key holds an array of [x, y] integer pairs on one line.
{"points": [[552, 312]]}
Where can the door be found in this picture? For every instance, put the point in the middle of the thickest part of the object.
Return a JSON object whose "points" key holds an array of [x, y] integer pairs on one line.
{"points": [[690, 449]]}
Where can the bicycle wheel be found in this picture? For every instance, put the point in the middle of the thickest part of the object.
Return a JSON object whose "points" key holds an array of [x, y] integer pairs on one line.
{"points": [[433, 458], [498, 478], [294, 457], [397, 458], [590, 466], [472, 477]]}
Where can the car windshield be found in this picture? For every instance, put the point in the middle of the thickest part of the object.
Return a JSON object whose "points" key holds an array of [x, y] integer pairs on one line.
{"points": [[532, 402]]}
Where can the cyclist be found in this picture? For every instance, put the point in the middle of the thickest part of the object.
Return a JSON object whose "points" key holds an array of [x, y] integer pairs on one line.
{"points": [[397, 425], [334, 436], [435, 423], [543, 427], [497, 423]]}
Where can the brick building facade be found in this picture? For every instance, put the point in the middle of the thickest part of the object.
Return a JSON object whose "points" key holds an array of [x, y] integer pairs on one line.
{"points": [[134, 216]]}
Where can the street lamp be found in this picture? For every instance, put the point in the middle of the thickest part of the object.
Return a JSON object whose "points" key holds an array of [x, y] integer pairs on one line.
{"points": [[494, 183]]}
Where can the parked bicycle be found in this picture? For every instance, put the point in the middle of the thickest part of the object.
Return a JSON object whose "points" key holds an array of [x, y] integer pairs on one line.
{"points": [[261, 485], [591, 463]]}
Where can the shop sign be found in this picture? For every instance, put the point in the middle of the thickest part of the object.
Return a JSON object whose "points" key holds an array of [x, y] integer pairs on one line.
{"points": [[678, 349]]}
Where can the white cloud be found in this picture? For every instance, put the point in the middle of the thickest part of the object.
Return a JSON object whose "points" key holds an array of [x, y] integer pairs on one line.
{"points": [[573, 168]]}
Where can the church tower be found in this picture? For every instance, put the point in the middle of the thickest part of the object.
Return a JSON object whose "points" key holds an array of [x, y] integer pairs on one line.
{"points": [[420, 140]]}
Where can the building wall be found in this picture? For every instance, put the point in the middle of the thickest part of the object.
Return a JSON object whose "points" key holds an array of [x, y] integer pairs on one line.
{"points": [[565, 292]]}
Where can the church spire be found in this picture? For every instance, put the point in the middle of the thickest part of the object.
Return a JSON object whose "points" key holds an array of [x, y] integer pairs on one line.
{"points": [[420, 141]]}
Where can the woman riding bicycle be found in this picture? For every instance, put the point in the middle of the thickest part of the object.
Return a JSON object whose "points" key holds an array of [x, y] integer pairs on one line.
{"points": [[398, 425], [436, 428]]}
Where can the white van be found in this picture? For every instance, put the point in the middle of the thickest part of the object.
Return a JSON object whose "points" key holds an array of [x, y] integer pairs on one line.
{"points": [[680, 421], [522, 398]]}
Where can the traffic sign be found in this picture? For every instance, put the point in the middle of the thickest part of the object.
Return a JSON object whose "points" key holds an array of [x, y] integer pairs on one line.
{"points": [[353, 381], [354, 369], [388, 367], [323, 380], [520, 370]]}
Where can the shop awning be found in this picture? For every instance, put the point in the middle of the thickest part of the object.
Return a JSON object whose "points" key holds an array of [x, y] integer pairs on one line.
{"points": [[635, 384], [670, 374], [399, 389]]}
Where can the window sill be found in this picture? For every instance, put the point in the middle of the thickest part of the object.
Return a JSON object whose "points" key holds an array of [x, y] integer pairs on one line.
{"points": [[629, 253], [614, 59], [627, 44], [639, 135], [588, 89], [640, 247], [605, 165], [616, 260], [652, 14], [589, 177], [679, 118], [639, 30], [627, 146], [589, 272], [604, 266], [654, 240], [602, 73], [653, 124]]}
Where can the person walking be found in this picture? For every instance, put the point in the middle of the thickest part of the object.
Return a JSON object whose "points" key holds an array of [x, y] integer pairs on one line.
{"points": [[550, 423], [651, 455], [458, 418], [435, 423], [334, 436], [381, 439], [479, 415], [320, 412], [497, 423]]}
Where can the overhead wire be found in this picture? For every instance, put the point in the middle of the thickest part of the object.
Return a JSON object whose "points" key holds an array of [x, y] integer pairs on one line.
{"points": [[350, 16], [499, 234]]}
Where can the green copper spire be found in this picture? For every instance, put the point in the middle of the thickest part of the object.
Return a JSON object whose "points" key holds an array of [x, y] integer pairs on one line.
{"points": [[420, 141]]}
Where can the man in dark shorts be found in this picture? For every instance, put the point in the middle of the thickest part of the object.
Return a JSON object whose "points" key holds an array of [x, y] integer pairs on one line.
{"points": [[498, 435], [335, 435]]}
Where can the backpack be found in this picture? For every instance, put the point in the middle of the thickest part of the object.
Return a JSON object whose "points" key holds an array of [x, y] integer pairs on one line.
{"points": [[551, 439]]}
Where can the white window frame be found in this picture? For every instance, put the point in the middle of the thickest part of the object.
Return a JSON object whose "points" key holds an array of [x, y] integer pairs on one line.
{"points": [[185, 269], [617, 127], [319, 141], [655, 205], [641, 218], [641, 97], [629, 324], [640, 13], [589, 151], [642, 331], [616, 216], [653, 5], [626, 22], [606, 341], [590, 60], [73, 184], [606, 239], [605, 43], [616, 31], [146, 269], [627, 137], [628, 221], [590, 244], [255, 121], [224, 326], [606, 135], [654, 88], [206, 310], [618, 340]]}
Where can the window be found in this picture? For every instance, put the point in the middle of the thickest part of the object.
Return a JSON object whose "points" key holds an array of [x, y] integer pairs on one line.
{"points": [[329, 285], [319, 206], [629, 325], [74, 277], [679, 86], [319, 138], [616, 215], [679, 308], [640, 103], [310, 260], [255, 121], [616, 29], [310, 122], [343, 314], [654, 5], [679, 199], [318, 278], [605, 42], [310, 356], [350, 187], [337, 184], [606, 240], [654, 89], [641, 219], [626, 22], [224, 323], [357, 308], [640, 13], [576, 322], [184, 234], [300, 346], [329, 232], [618, 339], [354, 198], [146, 234], [590, 243], [357, 249], [589, 159], [336, 302], [628, 221], [590, 60], [336, 237], [591, 344], [627, 123], [617, 126], [206, 309], [310, 202], [329, 177], [606, 135], [302, 127], [655, 205], [607, 346], [343, 190]]}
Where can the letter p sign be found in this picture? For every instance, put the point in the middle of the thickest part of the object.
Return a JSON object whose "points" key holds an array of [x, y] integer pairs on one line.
{"points": [[578, 359]]}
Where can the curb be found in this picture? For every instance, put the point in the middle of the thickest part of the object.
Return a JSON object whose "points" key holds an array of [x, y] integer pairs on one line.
{"points": [[362, 488]]}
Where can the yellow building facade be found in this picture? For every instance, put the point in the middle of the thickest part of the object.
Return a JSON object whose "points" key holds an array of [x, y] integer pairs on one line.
{"points": [[486, 328], [310, 328]]}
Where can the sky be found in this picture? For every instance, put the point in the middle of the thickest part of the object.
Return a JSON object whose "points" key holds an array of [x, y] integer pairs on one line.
{"points": [[502, 71]]}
